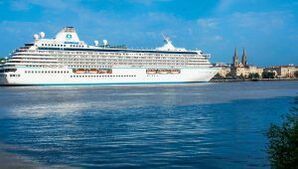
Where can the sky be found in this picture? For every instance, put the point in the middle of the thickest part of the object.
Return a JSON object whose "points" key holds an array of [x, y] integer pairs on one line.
{"points": [[267, 29]]}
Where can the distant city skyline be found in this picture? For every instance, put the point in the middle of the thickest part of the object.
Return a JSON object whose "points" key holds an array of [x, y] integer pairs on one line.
{"points": [[268, 30]]}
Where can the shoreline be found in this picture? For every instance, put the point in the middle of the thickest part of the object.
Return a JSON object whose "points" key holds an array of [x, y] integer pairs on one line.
{"points": [[251, 80]]}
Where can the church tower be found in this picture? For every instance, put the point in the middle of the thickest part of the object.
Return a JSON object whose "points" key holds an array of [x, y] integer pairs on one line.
{"points": [[235, 59], [244, 58]]}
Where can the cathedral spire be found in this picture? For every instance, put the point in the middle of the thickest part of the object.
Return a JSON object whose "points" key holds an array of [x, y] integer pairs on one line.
{"points": [[235, 58], [244, 58]]}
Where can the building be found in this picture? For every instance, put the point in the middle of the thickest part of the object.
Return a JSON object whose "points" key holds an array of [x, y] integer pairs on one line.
{"points": [[289, 71], [242, 69], [244, 58], [246, 72], [224, 71]]}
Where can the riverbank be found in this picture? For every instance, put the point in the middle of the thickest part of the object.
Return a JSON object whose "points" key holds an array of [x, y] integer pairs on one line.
{"points": [[252, 80]]}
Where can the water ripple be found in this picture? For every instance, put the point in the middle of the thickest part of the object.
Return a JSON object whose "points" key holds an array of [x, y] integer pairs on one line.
{"points": [[205, 126]]}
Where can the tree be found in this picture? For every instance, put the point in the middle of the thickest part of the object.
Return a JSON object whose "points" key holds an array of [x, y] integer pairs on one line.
{"points": [[283, 142], [254, 76], [296, 74], [270, 75]]}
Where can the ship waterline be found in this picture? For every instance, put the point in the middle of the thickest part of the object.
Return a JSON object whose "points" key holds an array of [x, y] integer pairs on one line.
{"points": [[67, 60]]}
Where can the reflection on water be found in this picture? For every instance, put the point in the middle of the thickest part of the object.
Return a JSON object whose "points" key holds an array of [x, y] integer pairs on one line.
{"points": [[197, 125]]}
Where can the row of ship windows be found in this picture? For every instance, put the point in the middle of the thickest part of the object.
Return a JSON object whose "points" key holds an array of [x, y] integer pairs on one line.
{"points": [[81, 64], [15, 75], [72, 66], [53, 45], [61, 57], [60, 45], [74, 76], [104, 65], [11, 75], [103, 76], [107, 53], [113, 63], [31, 71], [104, 60], [79, 57], [44, 66]]}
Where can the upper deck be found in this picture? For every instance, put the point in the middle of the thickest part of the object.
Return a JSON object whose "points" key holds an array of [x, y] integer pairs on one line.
{"points": [[67, 39]]}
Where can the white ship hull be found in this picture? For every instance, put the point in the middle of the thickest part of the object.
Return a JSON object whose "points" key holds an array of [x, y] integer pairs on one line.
{"points": [[119, 76], [66, 60]]}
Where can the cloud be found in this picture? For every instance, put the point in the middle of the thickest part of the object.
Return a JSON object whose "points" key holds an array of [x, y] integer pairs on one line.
{"points": [[19, 6], [260, 20], [224, 5], [148, 2], [57, 4], [208, 23], [218, 38]]}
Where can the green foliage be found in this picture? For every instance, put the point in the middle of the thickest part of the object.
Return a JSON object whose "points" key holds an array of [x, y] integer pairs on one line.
{"points": [[296, 74], [270, 75], [254, 76], [283, 142]]}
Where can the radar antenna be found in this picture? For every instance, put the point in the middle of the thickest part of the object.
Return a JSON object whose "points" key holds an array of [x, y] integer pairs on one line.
{"points": [[166, 38]]}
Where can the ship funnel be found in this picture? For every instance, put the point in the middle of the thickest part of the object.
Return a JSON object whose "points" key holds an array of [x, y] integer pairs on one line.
{"points": [[67, 34]]}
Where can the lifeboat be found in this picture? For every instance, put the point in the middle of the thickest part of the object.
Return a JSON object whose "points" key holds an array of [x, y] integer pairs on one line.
{"points": [[175, 71], [105, 71], [93, 71], [151, 71], [80, 71], [102, 71], [163, 71], [109, 71]]}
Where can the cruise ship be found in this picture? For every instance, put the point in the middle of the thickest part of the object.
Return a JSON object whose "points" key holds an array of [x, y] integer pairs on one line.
{"points": [[66, 60]]}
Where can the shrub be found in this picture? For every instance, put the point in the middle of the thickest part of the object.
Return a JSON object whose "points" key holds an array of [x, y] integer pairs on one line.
{"points": [[283, 142], [269, 75], [254, 76]]}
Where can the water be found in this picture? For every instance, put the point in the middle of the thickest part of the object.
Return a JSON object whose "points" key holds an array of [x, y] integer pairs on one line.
{"points": [[187, 126]]}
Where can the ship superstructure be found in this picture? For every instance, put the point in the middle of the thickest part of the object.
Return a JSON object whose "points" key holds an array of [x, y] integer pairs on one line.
{"points": [[66, 59]]}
